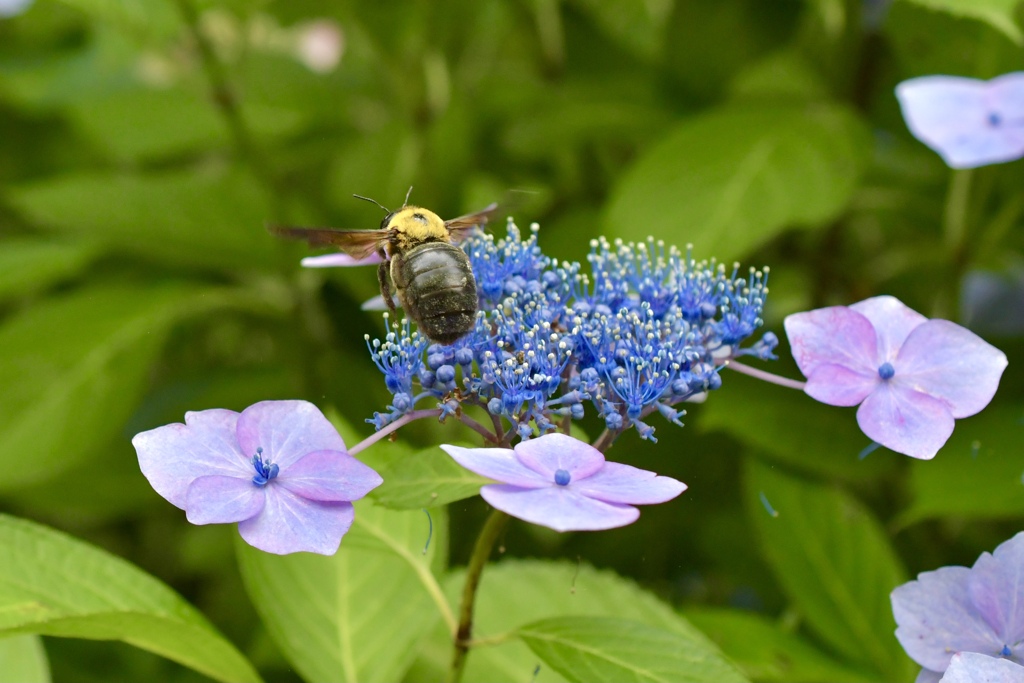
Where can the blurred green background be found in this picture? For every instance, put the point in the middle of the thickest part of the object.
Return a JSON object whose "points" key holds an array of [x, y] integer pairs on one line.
{"points": [[146, 144]]}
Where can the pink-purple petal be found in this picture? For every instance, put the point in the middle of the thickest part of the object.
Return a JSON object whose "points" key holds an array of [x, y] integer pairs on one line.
{"points": [[499, 464], [329, 476], [338, 261], [1006, 95], [935, 618], [951, 115], [905, 421], [628, 485], [835, 335], [893, 322], [286, 431], [973, 667], [552, 452], [172, 456], [951, 363], [558, 508], [840, 386], [223, 500], [291, 524], [996, 589], [928, 676]]}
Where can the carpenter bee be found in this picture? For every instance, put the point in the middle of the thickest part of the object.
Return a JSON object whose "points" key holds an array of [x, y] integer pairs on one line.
{"points": [[431, 275]]}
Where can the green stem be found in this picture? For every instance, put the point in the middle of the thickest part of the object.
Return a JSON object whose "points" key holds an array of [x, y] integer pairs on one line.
{"points": [[954, 219], [954, 228], [477, 561], [228, 105]]}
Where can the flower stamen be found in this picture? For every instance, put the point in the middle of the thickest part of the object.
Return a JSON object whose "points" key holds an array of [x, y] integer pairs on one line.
{"points": [[265, 471]]}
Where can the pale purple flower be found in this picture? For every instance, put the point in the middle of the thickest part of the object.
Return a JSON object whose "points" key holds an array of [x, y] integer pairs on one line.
{"points": [[279, 469], [968, 122], [956, 609], [971, 667], [564, 484], [339, 260], [12, 8], [911, 376]]}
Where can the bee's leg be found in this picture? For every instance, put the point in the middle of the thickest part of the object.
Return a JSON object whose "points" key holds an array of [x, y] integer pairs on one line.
{"points": [[385, 286]]}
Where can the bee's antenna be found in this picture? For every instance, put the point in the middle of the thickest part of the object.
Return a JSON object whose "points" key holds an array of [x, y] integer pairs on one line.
{"points": [[406, 202], [372, 201]]}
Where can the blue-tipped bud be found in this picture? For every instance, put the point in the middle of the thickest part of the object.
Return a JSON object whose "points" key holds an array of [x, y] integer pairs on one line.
{"points": [[402, 402], [613, 421], [445, 374], [494, 406]]}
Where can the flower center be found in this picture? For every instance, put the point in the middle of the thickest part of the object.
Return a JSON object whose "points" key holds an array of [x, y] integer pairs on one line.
{"points": [[265, 471], [994, 120], [562, 477], [1006, 651], [886, 370]]}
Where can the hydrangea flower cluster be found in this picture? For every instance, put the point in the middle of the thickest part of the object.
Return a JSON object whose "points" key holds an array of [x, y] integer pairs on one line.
{"points": [[648, 329]]}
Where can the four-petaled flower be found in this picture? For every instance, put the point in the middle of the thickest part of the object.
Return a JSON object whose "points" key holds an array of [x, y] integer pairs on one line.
{"points": [[956, 609], [562, 483], [971, 667], [911, 376], [968, 122], [279, 469]]}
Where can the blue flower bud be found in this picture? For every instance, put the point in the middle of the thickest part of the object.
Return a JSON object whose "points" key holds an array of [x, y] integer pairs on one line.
{"points": [[445, 374]]}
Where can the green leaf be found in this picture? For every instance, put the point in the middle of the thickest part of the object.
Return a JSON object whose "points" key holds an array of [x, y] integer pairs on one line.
{"points": [[731, 179], [977, 474], [52, 584], [359, 615], [146, 122], [997, 13], [834, 562], [783, 74], [428, 478], [790, 427], [143, 20], [516, 592], [635, 24], [614, 650], [188, 217], [30, 265], [765, 652], [23, 660], [72, 369]]}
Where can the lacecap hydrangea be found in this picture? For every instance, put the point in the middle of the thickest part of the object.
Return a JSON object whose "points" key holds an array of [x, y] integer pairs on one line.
{"points": [[647, 329]]}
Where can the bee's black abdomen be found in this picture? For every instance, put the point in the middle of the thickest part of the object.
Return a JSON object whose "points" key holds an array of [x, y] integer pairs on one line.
{"points": [[435, 283]]}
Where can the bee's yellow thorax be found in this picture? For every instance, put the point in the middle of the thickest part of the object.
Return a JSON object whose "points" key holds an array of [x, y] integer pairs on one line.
{"points": [[416, 225]]}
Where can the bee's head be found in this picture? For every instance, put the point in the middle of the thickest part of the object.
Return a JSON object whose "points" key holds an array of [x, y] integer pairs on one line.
{"points": [[416, 224]]}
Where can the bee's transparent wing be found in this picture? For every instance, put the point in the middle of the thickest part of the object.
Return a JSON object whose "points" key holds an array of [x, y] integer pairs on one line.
{"points": [[463, 226], [359, 244]]}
